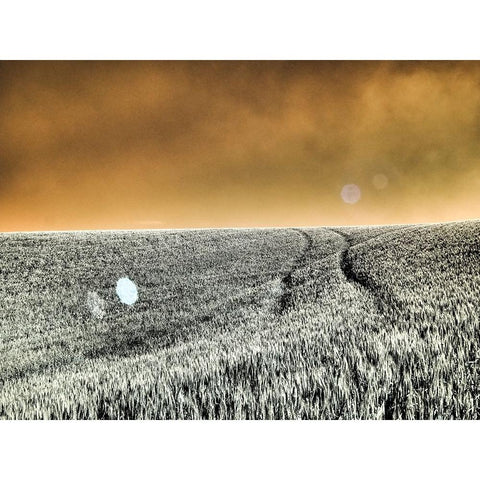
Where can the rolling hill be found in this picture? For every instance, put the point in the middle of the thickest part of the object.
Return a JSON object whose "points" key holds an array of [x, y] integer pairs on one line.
{"points": [[299, 323]]}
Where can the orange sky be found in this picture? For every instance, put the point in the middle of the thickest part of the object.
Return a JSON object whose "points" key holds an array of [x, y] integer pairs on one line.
{"points": [[92, 145]]}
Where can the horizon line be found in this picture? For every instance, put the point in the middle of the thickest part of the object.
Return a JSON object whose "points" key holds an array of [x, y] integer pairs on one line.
{"points": [[229, 228]]}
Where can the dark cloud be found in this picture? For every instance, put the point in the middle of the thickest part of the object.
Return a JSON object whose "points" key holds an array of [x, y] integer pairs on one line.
{"points": [[109, 144]]}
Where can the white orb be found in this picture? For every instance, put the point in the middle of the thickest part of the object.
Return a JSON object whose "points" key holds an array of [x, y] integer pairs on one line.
{"points": [[351, 193], [127, 291]]}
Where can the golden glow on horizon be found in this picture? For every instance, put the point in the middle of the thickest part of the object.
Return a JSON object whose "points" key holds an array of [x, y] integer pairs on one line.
{"points": [[92, 145]]}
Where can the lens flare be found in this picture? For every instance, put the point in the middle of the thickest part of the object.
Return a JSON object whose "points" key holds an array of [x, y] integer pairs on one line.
{"points": [[351, 193], [380, 181], [127, 291]]}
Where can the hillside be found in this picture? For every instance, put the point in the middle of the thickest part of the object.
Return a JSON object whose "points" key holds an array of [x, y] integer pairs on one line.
{"points": [[314, 323]]}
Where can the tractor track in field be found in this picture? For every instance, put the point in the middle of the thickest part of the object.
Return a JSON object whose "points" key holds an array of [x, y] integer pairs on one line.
{"points": [[362, 282], [288, 281]]}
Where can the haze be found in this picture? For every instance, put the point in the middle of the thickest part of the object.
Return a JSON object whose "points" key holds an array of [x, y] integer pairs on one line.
{"points": [[104, 145]]}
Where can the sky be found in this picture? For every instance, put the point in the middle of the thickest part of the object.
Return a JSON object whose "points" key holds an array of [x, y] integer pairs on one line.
{"points": [[134, 145]]}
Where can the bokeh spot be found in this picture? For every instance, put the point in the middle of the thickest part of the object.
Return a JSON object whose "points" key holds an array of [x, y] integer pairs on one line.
{"points": [[380, 181], [96, 305], [127, 291], [351, 193]]}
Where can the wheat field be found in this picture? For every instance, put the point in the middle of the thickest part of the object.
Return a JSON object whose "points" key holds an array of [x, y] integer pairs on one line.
{"points": [[297, 323]]}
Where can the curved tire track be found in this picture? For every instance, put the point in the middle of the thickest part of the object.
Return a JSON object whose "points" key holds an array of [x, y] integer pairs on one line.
{"points": [[288, 283], [360, 281]]}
